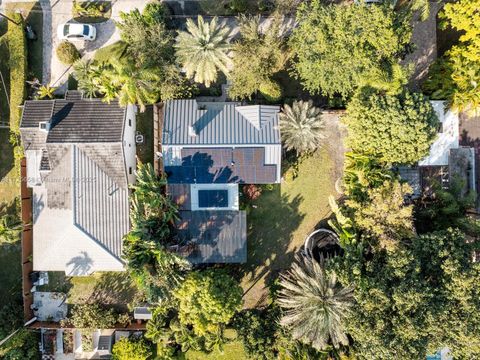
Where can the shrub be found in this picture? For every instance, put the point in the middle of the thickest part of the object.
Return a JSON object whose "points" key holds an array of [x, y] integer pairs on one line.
{"points": [[67, 53], [18, 70], [271, 91], [131, 349], [23, 345], [91, 317], [252, 191]]}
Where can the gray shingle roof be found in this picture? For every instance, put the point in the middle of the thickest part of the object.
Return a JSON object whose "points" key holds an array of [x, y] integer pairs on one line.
{"points": [[101, 206], [35, 111], [89, 120], [220, 236], [222, 124]]}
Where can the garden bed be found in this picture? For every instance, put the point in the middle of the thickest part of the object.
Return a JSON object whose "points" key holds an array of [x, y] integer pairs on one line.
{"points": [[91, 12]]}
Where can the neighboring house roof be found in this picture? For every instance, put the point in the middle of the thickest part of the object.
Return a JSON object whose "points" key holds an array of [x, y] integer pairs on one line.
{"points": [[447, 138], [219, 236], [80, 185], [223, 165], [187, 122]]}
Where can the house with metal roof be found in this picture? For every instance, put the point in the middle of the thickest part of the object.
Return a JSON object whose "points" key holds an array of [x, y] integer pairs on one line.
{"points": [[80, 156], [208, 149]]}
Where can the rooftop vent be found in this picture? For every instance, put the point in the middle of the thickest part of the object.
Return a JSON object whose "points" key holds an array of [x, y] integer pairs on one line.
{"points": [[44, 126]]}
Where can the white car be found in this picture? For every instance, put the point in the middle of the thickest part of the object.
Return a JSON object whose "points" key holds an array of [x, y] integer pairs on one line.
{"points": [[75, 31]]}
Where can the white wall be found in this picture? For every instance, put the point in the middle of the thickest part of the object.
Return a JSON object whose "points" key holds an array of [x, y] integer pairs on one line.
{"points": [[129, 145]]}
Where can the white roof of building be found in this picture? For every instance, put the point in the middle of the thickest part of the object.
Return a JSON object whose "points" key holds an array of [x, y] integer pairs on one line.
{"points": [[448, 137]]}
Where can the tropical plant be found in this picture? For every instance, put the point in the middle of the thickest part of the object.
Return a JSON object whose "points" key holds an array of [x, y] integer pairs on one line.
{"points": [[67, 53], [336, 47], [22, 345], [131, 349], [342, 224], [302, 126], [130, 84], [314, 305], [257, 56], [202, 50], [379, 125], [46, 91]]}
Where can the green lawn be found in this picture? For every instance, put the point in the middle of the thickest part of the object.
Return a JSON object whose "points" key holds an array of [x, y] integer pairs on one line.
{"points": [[145, 127], [107, 288], [32, 12], [277, 227], [231, 351]]}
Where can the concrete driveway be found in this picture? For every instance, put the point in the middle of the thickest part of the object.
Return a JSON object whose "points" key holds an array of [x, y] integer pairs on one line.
{"points": [[59, 12]]}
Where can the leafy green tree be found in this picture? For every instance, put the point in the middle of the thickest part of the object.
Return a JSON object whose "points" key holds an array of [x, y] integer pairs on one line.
{"points": [[257, 56], [207, 301], [149, 41], [91, 317], [314, 305], [336, 48], [382, 125], [302, 126], [23, 345], [257, 329], [384, 216], [414, 301], [456, 76], [131, 349], [202, 50]]}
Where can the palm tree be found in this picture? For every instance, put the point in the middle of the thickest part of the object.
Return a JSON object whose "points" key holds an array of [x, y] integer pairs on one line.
{"points": [[46, 91], [314, 305], [302, 126], [10, 228], [202, 50], [131, 84]]}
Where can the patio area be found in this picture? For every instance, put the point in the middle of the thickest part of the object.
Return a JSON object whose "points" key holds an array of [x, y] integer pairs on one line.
{"points": [[49, 306]]}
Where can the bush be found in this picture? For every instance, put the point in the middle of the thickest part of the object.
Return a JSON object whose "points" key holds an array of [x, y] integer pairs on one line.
{"points": [[18, 70], [271, 91], [67, 53], [131, 349], [23, 345], [252, 191], [90, 317]]}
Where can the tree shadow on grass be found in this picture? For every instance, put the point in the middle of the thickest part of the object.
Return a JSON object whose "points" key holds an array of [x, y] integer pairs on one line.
{"points": [[115, 289], [270, 228]]}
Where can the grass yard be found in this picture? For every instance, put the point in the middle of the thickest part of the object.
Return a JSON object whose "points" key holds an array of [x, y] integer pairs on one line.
{"points": [[145, 127], [32, 13], [277, 227], [107, 288], [231, 351]]}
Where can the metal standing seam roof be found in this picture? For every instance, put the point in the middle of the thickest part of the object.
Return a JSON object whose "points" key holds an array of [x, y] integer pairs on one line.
{"points": [[101, 206], [229, 124]]}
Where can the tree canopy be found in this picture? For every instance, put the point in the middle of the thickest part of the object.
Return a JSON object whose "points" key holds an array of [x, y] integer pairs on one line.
{"points": [[257, 56], [396, 128], [131, 349], [417, 300], [337, 48], [207, 301]]}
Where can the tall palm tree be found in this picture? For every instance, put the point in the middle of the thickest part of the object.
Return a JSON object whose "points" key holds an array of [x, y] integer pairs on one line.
{"points": [[202, 49], [302, 126], [131, 84], [314, 305]]}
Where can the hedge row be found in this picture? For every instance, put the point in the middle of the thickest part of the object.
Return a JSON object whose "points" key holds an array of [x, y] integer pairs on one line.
{"points": [[17, 46]]}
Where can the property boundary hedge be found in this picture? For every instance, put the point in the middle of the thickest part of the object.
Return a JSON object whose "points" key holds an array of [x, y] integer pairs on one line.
{"points": [[17, 48]]}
